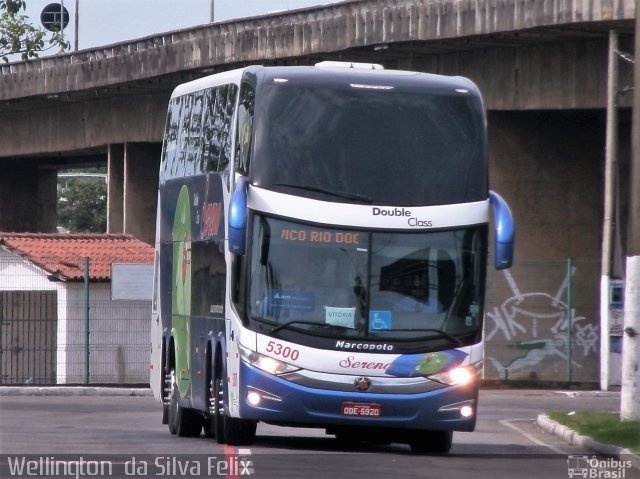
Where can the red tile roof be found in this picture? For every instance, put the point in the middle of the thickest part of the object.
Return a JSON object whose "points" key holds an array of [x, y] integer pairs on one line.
{"points": [[64, 254]]}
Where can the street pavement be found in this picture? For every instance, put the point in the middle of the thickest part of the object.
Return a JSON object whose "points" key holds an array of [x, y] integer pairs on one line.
{"points": [[544, 422]]}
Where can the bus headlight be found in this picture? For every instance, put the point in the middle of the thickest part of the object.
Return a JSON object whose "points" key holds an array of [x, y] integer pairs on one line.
{"points": [[266, 363], [456, 376]]}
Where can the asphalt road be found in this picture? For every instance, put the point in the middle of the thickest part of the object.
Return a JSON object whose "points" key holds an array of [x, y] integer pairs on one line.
{"points": [[106, 436]]}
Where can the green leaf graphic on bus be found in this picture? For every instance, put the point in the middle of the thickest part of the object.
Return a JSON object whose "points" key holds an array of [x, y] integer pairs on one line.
{"points": [[181, 289], [411, 365]]}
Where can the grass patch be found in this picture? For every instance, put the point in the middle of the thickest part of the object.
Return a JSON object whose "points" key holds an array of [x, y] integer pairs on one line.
{"points": [[604, 427]]}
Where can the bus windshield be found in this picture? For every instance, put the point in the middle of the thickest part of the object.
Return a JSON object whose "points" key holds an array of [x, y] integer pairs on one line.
{"points": [[367, 285], [321, 141]]}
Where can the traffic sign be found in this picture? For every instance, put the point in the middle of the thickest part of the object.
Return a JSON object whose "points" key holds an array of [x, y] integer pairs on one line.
{"points": [[51, 15]]}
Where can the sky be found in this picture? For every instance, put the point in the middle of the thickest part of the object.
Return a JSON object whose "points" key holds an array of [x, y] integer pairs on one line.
{"points": [[103, 22]]}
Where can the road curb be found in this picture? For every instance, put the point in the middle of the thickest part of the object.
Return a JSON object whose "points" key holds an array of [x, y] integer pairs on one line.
{"points": [[572, 437], [588, 393], [74, 391]]}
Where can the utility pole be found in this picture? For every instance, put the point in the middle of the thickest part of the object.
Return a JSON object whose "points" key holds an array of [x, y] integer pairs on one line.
{"points": [[610, 192], [62, 19], [630, 395], [76, 25]]}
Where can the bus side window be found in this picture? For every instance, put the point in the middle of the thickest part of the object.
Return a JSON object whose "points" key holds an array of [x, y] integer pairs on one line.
{"points": [[194, 137], [183, 135], [172, 129], [210, 149], [244, 130], [227, 149], [196, 134], [220, 133]]}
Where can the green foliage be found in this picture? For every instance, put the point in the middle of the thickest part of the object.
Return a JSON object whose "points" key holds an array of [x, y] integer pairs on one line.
{"points": [[82, 205], [18, 36], [604, 427]]}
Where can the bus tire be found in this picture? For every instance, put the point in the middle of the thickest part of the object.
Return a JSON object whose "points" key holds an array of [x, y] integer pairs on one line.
{"points": [[182, 421], [210, 423], [218, 401], [165, 414], [431, 442], [230, 430], [172, 403], [166, 389]]}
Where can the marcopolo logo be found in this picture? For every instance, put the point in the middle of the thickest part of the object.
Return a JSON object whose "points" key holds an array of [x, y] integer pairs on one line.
{"points": [[412, 221]]}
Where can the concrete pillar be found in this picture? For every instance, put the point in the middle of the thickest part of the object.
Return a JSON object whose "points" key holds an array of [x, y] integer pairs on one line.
{"points": [[27, 194], [46, 197], [141, 167], [115, 195]]}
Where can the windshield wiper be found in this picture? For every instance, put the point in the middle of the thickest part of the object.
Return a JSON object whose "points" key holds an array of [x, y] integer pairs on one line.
{"points": [[299, 321], [431, 330], [337, 194]]}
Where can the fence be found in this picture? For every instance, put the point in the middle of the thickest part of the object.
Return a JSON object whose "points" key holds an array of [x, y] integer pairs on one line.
{"points": [[542, 321], [533, 329], [43, 330]]}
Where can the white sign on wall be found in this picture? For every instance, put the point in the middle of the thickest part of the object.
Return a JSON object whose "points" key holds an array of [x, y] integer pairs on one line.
{"points": [[131, 281]]}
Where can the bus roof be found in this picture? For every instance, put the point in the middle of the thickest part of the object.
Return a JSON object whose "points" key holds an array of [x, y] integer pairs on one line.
{"points": [[327, 73]]}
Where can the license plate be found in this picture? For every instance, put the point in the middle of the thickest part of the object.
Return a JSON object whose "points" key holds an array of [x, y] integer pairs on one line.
{"points": [[361, 409]]}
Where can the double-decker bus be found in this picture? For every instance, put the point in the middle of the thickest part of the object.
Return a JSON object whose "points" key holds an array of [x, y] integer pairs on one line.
{"points": [[321, 254]]}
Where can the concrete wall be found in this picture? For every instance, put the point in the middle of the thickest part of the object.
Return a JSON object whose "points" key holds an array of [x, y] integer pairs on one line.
{"points": [[53, 127], [550, 75], [142, 164], [27, 194], [549, 166]]}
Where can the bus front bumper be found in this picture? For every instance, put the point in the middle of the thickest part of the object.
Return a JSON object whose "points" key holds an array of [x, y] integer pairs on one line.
{"points": [[269, 398]]}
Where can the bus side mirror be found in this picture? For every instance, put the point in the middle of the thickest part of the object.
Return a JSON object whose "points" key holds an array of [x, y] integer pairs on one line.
{"points": [[237, 220], [505, 231]]}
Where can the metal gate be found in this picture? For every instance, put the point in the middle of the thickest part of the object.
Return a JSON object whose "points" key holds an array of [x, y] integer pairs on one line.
{"points": [[28, 326]]}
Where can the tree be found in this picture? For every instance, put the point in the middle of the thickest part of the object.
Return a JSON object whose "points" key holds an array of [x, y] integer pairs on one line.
{"points": [[82, 204], [18, 36]]}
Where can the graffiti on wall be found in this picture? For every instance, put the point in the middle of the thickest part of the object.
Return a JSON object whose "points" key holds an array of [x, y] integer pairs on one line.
{"points": [[534, 325]]}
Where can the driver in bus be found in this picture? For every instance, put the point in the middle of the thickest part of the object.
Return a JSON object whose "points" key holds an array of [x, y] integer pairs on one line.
{"points": [[418, 299]]}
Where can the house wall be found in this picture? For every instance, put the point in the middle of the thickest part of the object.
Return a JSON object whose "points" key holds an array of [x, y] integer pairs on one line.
{"points": [[118, 337], [119, 330], [16, 274]]}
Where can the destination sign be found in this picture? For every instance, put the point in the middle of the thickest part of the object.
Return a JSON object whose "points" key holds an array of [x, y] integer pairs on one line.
{"points": [[309, 235]]}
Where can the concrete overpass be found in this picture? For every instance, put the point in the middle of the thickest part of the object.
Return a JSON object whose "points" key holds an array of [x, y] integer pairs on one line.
{"points": [[541, 64]]}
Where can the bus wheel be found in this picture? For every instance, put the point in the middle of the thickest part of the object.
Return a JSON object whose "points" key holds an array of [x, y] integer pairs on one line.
{"points": [[230, 430], [166, 397], [172, 404], [431, 442], [210, 422], [182, 421]]}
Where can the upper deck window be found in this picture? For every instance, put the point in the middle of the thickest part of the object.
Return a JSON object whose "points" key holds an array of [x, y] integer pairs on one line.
{"points": [[198, 136], [398, 145]]}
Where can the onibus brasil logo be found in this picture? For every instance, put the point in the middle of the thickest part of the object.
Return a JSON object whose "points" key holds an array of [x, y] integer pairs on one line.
{"points": [[595, 467]]}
